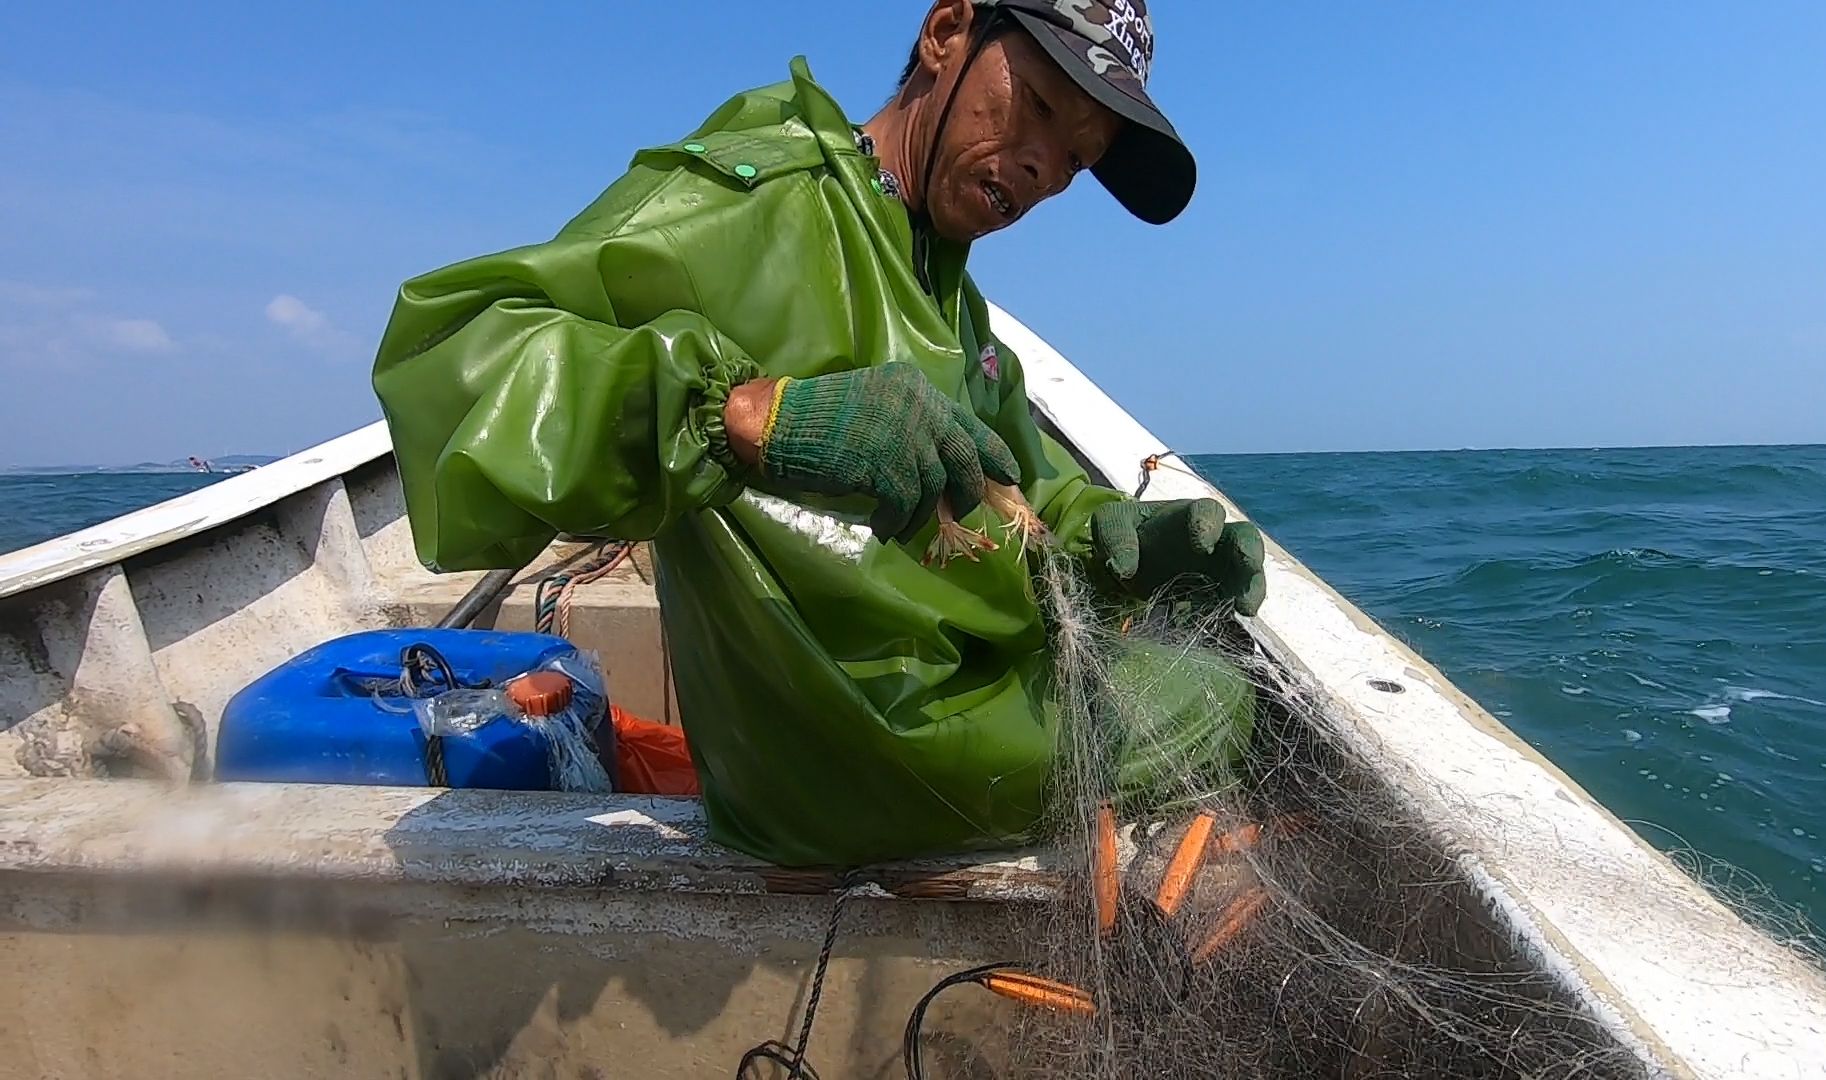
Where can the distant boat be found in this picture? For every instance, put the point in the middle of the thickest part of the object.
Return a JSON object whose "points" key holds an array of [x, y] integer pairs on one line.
{"points": [[204, 466], [548, 929]]}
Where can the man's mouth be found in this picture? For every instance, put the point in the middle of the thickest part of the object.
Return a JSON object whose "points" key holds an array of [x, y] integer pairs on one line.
{"points": [[999, 200]]}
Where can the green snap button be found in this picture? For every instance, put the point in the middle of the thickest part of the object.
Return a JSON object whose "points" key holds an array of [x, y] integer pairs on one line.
{"points": [[695, 147], [746, 172]]}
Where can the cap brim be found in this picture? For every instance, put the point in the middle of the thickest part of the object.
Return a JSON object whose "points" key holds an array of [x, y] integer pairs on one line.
{"points": [[1147, 168]]}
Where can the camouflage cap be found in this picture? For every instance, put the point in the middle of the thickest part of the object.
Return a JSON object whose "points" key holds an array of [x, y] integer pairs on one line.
{"points": [[1107, 47]]}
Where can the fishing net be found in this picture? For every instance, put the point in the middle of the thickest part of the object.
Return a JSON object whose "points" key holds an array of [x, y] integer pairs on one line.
{"points": [[1276, 913]]}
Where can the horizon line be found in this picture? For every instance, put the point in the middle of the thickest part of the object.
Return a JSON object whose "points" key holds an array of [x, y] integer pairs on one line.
{"points": [[1587, 447], [77, 469]]}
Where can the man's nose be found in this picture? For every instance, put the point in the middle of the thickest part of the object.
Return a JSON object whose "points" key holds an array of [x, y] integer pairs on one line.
{"points": [[1045, 170]]}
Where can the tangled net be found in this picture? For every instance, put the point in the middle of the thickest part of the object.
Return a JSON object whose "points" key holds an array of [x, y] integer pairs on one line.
{"points": [[1277, 914]]}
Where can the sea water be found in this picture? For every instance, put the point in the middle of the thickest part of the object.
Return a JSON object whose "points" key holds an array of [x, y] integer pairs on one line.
{"points": [[1652, 620], [36, 507]]}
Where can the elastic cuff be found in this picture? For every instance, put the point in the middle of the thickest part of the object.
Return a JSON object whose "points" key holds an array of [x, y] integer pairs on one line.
{"points": [[716, 437], [709, 413]]}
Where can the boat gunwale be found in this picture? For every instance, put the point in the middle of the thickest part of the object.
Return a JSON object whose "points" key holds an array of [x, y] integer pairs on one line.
{"points": [[472, 838], [1558, 866], [196, 512]]}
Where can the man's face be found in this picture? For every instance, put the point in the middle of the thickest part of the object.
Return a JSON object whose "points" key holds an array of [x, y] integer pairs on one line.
{"points": [[1018, 132]]}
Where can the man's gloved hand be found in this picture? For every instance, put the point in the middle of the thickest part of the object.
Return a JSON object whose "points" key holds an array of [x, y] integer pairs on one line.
{"points": [[1183, 544], [885, 432]]}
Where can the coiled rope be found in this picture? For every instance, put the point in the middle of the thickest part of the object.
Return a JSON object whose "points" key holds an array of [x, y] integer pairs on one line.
{"points": [[552, 600]]}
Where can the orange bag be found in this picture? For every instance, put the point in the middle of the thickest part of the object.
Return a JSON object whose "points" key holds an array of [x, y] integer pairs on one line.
{"points": [[650, 758]]}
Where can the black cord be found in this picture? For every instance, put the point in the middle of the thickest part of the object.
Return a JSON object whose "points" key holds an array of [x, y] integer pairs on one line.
{"points": [[429, 663], [780, 1054], [1148, 466], [793, 1058], [436, 775], [909, 1046], [922, 218], [1160, 937]]}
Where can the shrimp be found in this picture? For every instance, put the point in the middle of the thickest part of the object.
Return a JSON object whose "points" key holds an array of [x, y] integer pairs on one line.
{"points": [[954, 539], [1006, 502], [1011, 506]]}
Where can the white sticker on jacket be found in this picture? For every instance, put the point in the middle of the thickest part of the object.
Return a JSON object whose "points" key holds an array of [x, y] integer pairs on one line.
{"points": [[992, 363]]}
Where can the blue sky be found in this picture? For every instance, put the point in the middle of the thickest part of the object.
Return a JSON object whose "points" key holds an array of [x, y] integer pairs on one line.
{"points": [[1417, 225]]}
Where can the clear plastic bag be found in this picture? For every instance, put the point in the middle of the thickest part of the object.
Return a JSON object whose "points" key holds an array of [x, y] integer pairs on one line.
{"points": [[459, 712], [571, 731]]}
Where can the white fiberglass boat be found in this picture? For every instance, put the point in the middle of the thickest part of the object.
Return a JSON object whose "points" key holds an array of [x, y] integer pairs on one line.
{"points": [[240, 930]]}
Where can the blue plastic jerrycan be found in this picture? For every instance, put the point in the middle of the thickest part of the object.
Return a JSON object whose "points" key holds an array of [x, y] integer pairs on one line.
{"points": [[369, 708]]}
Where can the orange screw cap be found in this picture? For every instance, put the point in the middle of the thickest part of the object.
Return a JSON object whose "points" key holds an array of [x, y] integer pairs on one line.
{"points": [[543, 693]]}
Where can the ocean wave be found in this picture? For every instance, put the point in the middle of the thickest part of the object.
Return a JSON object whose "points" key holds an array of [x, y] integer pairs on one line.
{"points": [[1594, 581], [1751, 693], [1649, 618], [1635, 477]]}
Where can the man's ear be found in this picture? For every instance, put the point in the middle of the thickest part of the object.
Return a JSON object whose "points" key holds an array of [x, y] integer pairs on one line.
{"points": [[945, 36]]}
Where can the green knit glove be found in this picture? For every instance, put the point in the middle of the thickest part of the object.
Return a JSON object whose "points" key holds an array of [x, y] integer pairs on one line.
{"points": [[1183, 545], [888, 433]]}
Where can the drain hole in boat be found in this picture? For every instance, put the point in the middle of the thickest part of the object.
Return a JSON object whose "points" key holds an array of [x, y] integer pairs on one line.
{"points": [[1387, 686]]}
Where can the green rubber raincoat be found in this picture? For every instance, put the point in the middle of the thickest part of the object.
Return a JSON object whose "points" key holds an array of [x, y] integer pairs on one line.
{"points": [[844, 704]]}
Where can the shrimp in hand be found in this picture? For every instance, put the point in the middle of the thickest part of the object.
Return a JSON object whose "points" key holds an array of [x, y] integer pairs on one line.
{"points": [[1007, 502], [954, 539]]}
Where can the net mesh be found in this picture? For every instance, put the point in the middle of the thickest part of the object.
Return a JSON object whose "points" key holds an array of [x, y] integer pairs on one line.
{"points": [[1278, 915]]}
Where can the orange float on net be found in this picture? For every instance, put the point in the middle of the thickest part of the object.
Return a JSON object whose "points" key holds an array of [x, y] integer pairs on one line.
{"points": [[1235, 918], [1187, 858], [1103, 870], [1044, 993]]}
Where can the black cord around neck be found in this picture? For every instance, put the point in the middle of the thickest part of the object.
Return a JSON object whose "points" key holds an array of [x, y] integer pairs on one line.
{"points": [[921, 219]]}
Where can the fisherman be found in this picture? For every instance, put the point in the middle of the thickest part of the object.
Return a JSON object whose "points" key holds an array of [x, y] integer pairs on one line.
{"points": [[760, 349]]}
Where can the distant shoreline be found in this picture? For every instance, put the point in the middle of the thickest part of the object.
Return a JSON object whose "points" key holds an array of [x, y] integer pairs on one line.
{"points": [[218, 466]]}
